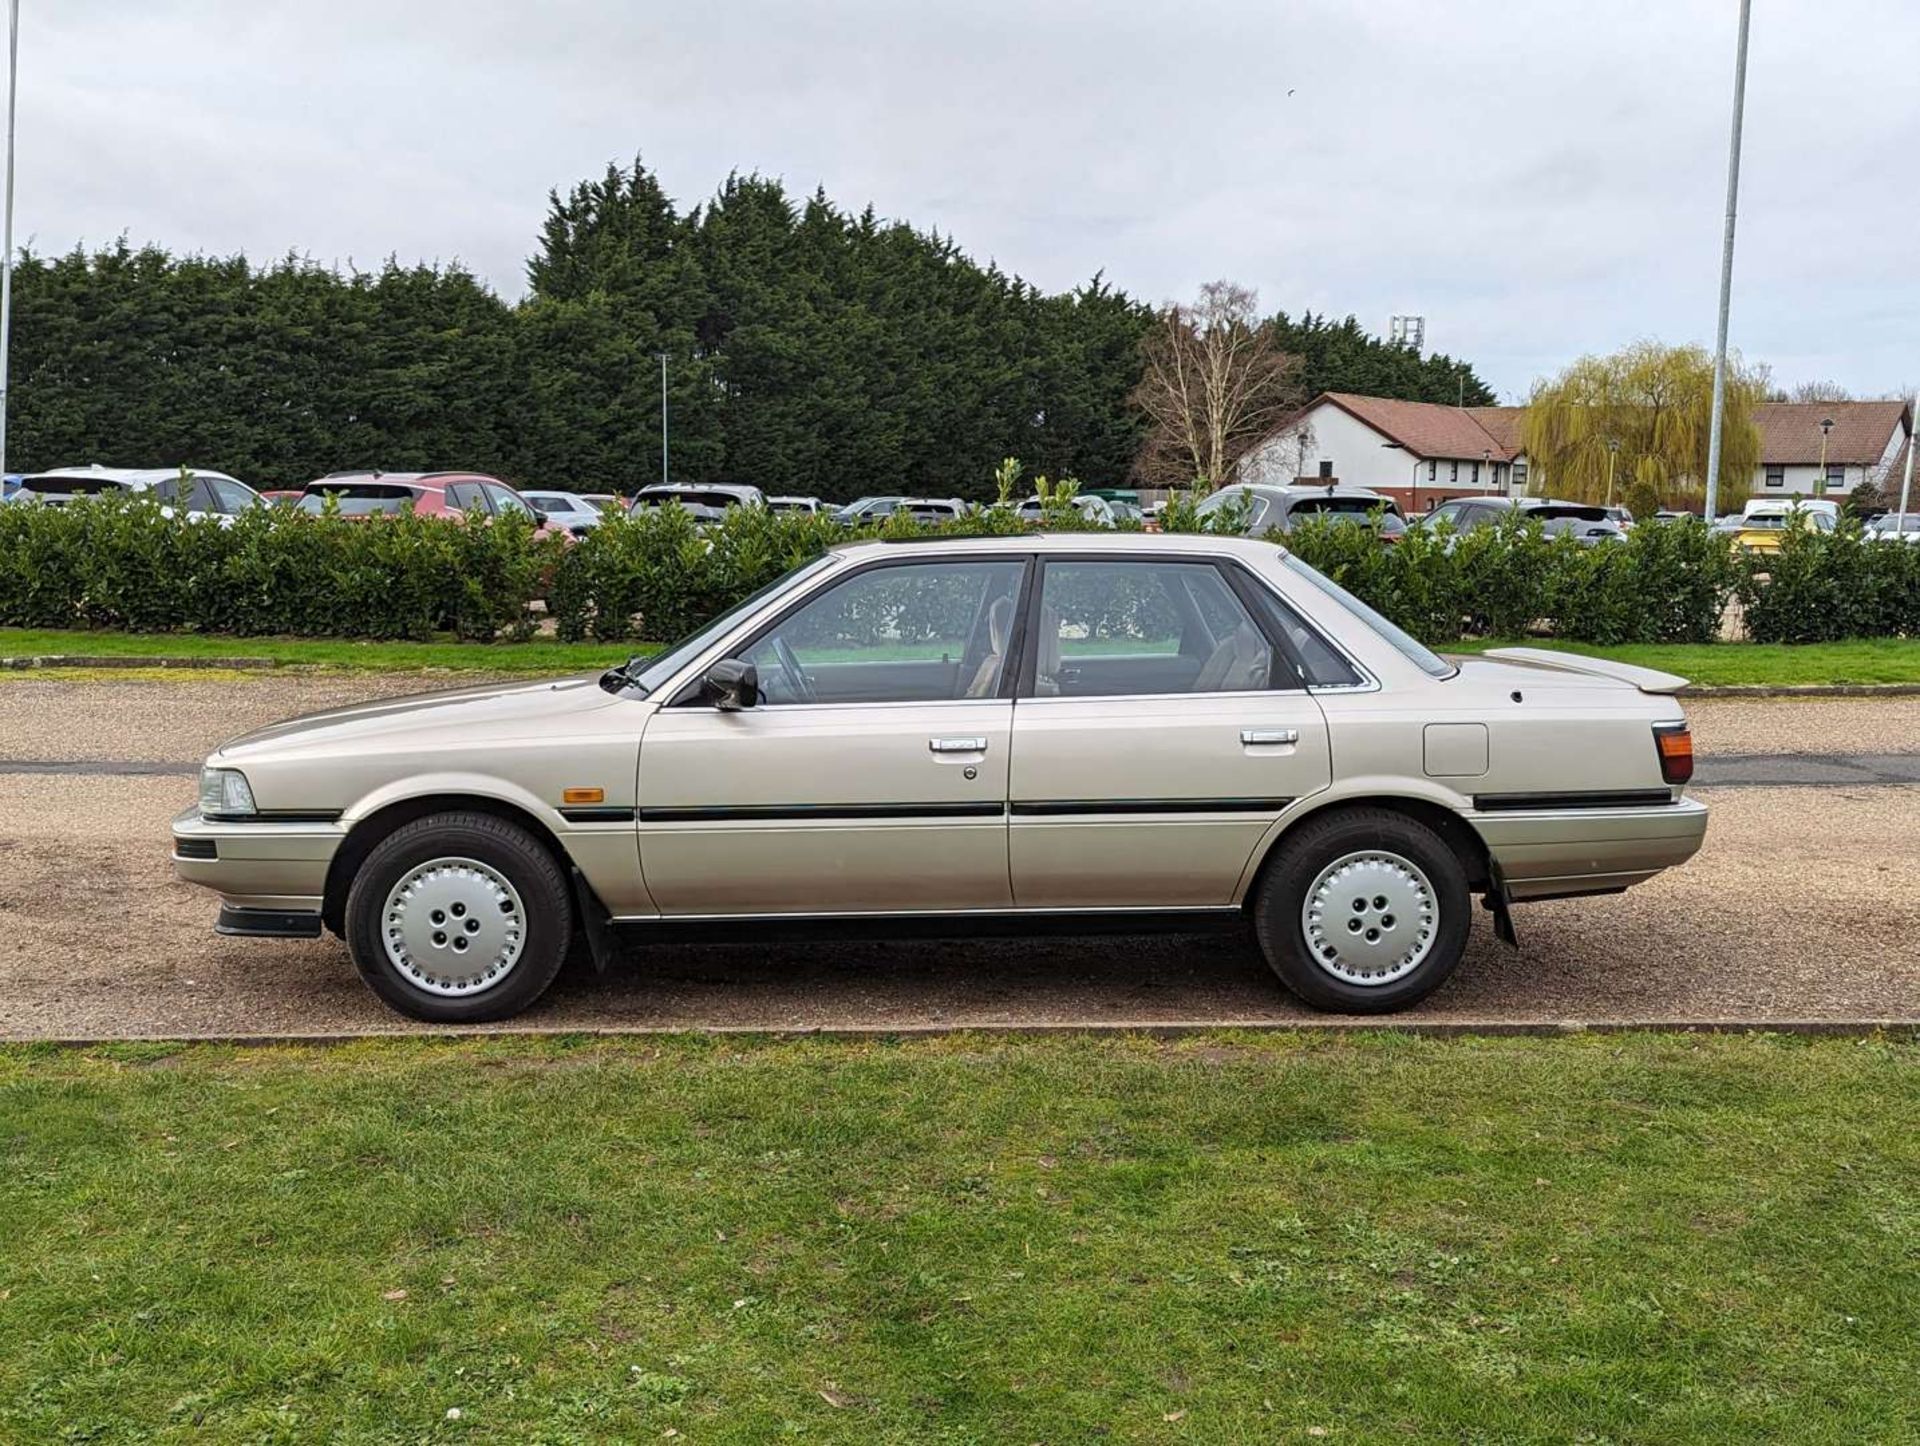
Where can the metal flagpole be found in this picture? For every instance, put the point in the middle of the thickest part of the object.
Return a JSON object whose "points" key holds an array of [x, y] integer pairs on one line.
{"points": [[6, 266], [663, 419], [1726, 266]]}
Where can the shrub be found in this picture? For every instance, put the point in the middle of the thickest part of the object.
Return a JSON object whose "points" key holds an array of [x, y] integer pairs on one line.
{"points": [[1824, 586]]}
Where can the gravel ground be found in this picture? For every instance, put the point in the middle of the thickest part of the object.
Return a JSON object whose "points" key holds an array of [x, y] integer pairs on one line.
{"points": [[97, 939]]}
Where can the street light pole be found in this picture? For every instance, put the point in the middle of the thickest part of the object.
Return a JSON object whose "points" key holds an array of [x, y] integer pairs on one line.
{"points": [[663, 419], [1613, 451], [1726, 266], [1906, 479], [6, 266], [1820, 482]]}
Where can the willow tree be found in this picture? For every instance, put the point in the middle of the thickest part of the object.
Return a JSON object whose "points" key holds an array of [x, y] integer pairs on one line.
{"points": [[1641, 416]]}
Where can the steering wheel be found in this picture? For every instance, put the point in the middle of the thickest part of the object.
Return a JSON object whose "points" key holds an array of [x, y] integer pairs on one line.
{"points": [[790, 670]]}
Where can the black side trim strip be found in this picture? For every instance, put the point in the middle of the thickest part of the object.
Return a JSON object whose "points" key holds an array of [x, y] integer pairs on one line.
{"points": [[812, 812], [1056, 806], [598, 813], [284, 815], [1617, 798]]}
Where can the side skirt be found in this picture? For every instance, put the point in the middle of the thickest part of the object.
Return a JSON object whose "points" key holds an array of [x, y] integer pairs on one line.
{"points": [[798, 928]]}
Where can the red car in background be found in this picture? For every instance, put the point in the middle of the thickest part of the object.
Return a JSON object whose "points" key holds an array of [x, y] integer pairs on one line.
{"points": [[431, 494]]}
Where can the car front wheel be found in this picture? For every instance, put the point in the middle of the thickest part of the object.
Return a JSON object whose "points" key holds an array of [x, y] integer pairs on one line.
{"points": [[459, 918], [1364, 911]]}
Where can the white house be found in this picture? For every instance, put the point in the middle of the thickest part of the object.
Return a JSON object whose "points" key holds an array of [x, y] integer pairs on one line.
{"points": [[1418, 453], [1422, 453], [1864, 444]]}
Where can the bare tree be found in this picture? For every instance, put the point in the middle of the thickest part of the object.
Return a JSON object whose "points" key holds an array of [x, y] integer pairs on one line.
{"points": [[1817, 392], [1215, 382]]}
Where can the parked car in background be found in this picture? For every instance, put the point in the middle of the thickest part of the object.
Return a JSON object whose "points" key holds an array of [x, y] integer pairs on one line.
{"points": [[430, 494], [1264, 509], [929, 510], [708, 502], [604, 501], [1094, 511], [282, 496], [1467, 513], [1206, 731], [864, 510], [1763, 528], [1892, 527], [9, 485], [796, 504], [1587, 531], [203, 493], [564, 509], [1618, 515]]}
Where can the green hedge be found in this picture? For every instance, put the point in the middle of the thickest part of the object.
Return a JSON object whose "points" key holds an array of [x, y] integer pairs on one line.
{"points": [[1668, 583], [1822, 587], [123, 563]]}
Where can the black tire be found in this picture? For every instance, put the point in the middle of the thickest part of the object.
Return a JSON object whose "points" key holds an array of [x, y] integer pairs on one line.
{"points": [[508, 850], [1317, 844]]}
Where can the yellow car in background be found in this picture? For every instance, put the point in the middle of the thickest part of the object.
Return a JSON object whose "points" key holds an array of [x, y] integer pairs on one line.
{"points": [[1765, 526]]}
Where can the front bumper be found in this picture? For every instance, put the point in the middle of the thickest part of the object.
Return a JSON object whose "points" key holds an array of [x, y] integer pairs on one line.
{"points": [[264, 871], [1550, 853]]}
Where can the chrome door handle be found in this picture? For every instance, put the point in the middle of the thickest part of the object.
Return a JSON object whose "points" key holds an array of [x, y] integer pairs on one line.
{"points": [[1269, 735], [957, 745]]}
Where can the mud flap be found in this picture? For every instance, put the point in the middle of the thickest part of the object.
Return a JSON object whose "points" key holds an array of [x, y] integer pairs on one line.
{"points": [[594, 926], [1498, 905]]}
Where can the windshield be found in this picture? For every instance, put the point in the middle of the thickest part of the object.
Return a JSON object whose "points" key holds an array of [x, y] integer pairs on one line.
{"points": [[690, 499], [663, 665], [1409, 647], [364, 501], [1550, 510], [1340, 508]]}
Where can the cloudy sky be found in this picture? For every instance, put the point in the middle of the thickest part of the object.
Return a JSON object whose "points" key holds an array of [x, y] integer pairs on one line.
{"points": [[1538, 177]]}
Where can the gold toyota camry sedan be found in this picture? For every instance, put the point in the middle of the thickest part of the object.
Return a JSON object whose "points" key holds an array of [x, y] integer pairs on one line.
{"points": [[1024, 733]]}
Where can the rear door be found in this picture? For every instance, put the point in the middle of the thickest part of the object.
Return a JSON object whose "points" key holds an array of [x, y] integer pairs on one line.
{"points": [[1159, 733], [872, 775]]}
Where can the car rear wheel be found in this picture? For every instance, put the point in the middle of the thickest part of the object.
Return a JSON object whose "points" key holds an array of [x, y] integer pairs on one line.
{"points": [[1364, 911], [459, 918]]}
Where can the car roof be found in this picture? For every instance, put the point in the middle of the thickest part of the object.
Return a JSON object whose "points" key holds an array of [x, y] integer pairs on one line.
{"points": [[1094, 543], [137, 477], [433, 481]]}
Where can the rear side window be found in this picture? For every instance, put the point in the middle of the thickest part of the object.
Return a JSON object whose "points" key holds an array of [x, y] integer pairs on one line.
{"points": [[1322, 664], [231, 497], [1409, 647]]}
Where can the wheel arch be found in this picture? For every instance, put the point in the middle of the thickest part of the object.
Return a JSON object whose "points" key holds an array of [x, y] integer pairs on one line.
{"points": [[1455, 831], [366, 834]]}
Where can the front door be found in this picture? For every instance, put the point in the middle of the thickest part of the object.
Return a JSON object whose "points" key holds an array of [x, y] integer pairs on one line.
{"points": [[1161, 733], [871, 777]]}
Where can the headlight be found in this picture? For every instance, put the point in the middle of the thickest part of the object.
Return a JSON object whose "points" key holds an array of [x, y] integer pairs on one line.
{"points": [[224, 794]]}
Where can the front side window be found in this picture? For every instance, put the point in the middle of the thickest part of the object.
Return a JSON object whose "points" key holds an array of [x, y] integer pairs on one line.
{"points": [[1124, 629], [506, 501], [914, 633], [232, 497]]}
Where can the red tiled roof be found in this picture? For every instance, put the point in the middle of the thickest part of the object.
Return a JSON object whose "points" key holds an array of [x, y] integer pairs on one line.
{"points": [[1790, 431], [1429, 430]]}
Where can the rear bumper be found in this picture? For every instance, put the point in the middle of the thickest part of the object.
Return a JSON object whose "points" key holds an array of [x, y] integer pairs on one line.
{"points": [[268, 868], [1550, 853]]}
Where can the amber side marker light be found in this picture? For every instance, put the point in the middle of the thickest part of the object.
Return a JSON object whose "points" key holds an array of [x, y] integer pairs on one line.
{"points": [[1674, 744], [583, 795]]}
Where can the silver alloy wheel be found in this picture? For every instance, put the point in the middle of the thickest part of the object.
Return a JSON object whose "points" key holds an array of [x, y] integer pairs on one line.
{"points": [[453, 926], [1370, 918]]}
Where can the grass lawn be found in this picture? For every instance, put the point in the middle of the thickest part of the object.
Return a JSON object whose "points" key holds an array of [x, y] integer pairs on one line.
{"points": [[1253, 1238], [1876, 660], [541, 656]]}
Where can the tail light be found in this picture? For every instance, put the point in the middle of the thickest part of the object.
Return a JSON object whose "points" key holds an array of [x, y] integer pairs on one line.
{"points": [[1674, 744]]}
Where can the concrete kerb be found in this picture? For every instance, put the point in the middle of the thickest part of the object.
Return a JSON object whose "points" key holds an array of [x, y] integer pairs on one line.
{"points": [[1902, 1030]]}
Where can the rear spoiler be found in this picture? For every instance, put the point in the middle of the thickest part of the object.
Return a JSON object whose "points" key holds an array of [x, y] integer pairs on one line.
{"points": [[1647, 680]]}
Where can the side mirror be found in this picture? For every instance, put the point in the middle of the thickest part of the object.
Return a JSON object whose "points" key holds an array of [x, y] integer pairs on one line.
{"points": [[731, 685], [539, 517]]}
